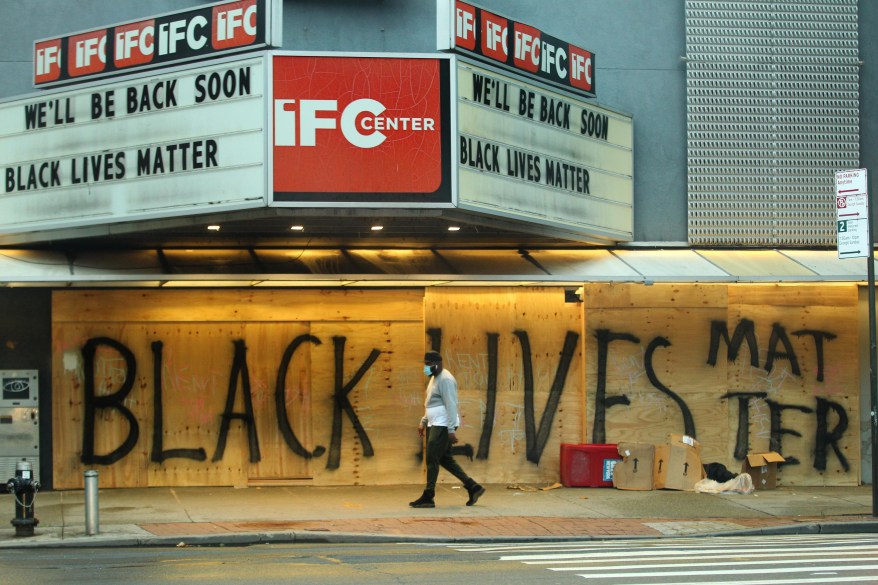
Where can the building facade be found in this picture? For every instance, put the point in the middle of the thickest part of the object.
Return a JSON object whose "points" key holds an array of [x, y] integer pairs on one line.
{"points": [[654, 253]]}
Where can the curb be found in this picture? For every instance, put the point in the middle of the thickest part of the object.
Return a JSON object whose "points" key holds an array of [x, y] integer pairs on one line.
{"points": [[317, 537]]}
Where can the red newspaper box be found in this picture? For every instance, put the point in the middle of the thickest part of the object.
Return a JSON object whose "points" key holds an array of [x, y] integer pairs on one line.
{"points": [[588, 465]]}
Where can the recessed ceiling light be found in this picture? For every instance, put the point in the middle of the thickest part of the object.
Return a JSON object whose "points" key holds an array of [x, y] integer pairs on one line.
{"points": [[297, 228], [213, 228], [454, 228], [377, 228]]}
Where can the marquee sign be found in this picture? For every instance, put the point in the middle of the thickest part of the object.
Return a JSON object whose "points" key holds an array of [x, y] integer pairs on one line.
{"points": [[470, 30], [188, 141], [210, 30], [535, 155]]}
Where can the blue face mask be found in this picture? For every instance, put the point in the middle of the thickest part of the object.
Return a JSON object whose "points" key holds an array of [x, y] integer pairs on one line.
{"points": [[428, 370]]}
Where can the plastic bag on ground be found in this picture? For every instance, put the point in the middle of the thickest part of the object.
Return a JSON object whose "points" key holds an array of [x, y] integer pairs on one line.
{"points": [[742, 484]]}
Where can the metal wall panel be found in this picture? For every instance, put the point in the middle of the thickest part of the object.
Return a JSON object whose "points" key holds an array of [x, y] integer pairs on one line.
{"points": [[772, 113]]}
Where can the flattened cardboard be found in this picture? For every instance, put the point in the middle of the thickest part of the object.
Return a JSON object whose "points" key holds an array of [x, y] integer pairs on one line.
{"points": [[762, 467], [635, 471]]}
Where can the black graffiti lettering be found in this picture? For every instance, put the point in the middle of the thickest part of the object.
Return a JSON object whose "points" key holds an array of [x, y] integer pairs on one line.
{"points": [[94, 402], [342, 404], [435, 335], [491, 403], [818, 336], [159, 454], [239, 370], [537, 438], [779, 334], [688, 422], [775, 443], [280, 402], [744, 330], [826, 438], [601, 402], [466, 450], [742, 442]]}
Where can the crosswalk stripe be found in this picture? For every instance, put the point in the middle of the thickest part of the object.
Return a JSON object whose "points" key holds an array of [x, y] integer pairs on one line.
{"points": [[697, 555], [866, 579], [556, 557], [675, 543], [715, 571], [798, 562], [741, 560]]}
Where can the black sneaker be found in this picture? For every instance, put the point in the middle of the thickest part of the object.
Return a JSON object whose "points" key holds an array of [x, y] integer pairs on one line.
{"points": [[425, 501], [475, 492]]}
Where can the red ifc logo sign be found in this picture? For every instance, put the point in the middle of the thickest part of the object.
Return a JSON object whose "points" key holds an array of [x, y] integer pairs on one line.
{"points": [[494, 36], [47, 61], [581, 69], [135, 43], [465, 16], [357, 125], [234, 24], [87, 53], [527, 48]]}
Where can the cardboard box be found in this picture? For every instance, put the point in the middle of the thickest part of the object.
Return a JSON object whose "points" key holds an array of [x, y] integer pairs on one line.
{"points": [[678, 464], [635, 470], [762, 467]]}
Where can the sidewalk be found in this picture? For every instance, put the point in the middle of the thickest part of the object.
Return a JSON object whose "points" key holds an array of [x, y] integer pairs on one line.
{"points": [[210, 516]]}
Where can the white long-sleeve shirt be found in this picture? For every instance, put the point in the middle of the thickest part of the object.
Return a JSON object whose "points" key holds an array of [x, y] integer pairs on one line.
{"points": [[440, 404]]}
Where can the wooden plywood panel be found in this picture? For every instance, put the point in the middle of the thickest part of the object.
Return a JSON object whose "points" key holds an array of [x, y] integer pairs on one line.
{"points": [[611, 295], [237, 305], [795, 295], [658, 363], [385, 403], [196, 363], [281, 350], [467, 319], [803, 360], [805, 364]]}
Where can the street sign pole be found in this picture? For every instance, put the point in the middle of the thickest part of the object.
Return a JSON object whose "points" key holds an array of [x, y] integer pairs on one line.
{"points": [[854, 230]]}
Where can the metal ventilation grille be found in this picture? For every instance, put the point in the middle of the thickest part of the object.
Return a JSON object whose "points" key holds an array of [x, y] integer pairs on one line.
{"points": [[772, 92]]}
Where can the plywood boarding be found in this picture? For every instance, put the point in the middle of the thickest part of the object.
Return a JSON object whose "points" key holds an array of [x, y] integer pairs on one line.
{"points": [[792, 381], [795, 315], [619, 296], [198, 366], [387, 403], [672, 324], [237, 305], [669, 345], [466, 318]]}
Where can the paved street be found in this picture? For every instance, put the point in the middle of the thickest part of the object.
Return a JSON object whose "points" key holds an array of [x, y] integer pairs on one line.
{"points": [[326, 564], [754, 560], [757, 560]]}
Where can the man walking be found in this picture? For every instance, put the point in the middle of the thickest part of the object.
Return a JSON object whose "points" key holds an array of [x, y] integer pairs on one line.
{"points": [[439, 424]]}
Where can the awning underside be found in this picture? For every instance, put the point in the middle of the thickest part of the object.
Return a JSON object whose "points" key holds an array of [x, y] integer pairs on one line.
{"points": [[417, 267]]}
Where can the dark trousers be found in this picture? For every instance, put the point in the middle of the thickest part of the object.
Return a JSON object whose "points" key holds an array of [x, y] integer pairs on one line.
{"points": [[439, 454]]}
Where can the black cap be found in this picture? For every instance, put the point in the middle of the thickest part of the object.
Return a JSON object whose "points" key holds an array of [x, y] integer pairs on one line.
{"points": [[433, 357]]}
